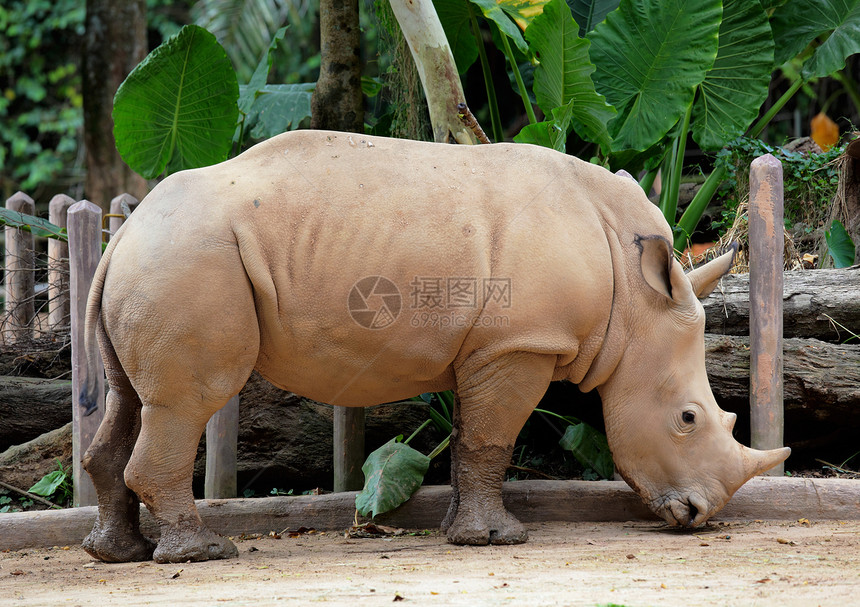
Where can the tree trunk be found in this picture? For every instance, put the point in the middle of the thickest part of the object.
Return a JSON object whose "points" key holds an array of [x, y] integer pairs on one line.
{"points": [[115, 44], [813, 302], [423, 32], [337, 102]]}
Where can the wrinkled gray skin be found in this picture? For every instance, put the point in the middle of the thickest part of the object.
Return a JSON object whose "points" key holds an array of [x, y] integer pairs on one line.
{"points": [[252, 264]]}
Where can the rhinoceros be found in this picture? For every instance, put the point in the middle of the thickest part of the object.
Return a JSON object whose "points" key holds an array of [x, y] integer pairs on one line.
{"points": [[357, 270]]}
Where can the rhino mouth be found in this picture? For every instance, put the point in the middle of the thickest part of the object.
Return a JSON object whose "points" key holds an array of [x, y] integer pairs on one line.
{"points": [[685, 511]]}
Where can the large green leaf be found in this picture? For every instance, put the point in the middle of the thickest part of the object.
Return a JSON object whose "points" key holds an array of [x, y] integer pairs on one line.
{"points": [[260, 76], [177, 109], [843, 41], [839, 245], [564, 73], [589, 447], [279, 108], [737, 85], [498, 14], [522, 11], [649, 57], [454, 16], [549, 133], [799, 22], [588, 13], [392, 473], [48, 484], [30, 223]]}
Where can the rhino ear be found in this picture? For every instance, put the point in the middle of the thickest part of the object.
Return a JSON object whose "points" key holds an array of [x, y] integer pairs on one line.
{"points": [[656, 260], [704, 279]]}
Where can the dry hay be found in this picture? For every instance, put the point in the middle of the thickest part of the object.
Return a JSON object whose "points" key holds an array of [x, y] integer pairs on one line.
{"points": [[739, 233]]}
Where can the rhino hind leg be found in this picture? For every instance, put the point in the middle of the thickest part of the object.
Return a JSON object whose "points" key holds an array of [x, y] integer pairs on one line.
{"points": [[160, 472], [453, 445], [495, 401], [116, 535]]}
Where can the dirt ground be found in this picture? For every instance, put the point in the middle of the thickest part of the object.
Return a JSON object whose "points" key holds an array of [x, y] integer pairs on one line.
{"points": [[633, 564]]}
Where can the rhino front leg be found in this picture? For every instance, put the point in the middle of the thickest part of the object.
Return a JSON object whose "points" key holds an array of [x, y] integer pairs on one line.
{"points": [[496, 399], [160, 472]]}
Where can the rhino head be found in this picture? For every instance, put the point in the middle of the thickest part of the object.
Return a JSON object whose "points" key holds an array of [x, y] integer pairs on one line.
{"points": [[669, 439]]}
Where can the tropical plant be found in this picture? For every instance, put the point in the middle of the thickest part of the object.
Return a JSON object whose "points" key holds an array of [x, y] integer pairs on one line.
{"points": [[182, 106], [40, 92], [395, 471], [636, 77], [246, 27], [56, 484]]}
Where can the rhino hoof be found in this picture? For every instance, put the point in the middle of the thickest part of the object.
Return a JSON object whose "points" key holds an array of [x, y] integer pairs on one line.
{"points": [[110, 547], [506, 530], [184, 542]]}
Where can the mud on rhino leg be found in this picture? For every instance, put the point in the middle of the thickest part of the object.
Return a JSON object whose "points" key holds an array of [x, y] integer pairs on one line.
{"points": [[496, 399], [160, 472], [116, 534], [453, 446]]}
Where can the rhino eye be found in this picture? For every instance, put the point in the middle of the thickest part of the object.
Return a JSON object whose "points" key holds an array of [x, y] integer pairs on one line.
{"points": [[689, 417]]}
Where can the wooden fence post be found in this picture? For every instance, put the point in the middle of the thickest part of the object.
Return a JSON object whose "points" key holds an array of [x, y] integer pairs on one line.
{"points": [[222, 435], [348, 448], [20, 275], [766, 286], [58, 266], [116, 209], [85, 239]]}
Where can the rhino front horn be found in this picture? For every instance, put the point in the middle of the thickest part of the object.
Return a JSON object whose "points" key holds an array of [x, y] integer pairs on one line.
{"points": [[757, 462]]}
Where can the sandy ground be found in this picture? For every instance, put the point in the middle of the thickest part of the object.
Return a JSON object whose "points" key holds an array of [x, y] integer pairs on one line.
{"points": [[736, 563]]}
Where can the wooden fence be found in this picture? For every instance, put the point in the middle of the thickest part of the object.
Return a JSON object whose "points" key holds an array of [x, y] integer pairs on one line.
{"points": [[70, 269]]}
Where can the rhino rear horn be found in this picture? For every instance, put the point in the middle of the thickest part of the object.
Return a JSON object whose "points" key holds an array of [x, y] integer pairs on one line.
{"points": [[704, 279]]}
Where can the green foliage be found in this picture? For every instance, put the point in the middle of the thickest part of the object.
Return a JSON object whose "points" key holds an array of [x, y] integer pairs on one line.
{"points": [[737, 85], [40, 90], [267, 110], [563, 77], [839, 245], [30, 223], [590, 447], [800, 22], [246, 27], [178, 108], [649, 58], [809, 180], [392, 473], [588, 13], [549, 133], [56, 485]]}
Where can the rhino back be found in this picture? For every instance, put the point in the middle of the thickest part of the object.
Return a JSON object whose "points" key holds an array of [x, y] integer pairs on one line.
{"points": [[489, 249]]}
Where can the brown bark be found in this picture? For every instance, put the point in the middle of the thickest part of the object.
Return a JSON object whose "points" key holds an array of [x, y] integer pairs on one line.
{"points": [[821, 388], [30, 407], [813, 301], [115, 44], [337, 102]]}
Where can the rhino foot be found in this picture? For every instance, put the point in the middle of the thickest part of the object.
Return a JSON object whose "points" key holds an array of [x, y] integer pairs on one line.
{"points": [[473, 530], [187, 540], [106, 544]]}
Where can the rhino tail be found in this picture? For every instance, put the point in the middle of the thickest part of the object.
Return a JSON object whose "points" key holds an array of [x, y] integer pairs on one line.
{"points": [[89, 397]]}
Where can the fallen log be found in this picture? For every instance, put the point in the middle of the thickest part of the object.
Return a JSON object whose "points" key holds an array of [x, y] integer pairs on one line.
{"points": [[815, 303], [764, 498], [29, 407], [821, 387]]}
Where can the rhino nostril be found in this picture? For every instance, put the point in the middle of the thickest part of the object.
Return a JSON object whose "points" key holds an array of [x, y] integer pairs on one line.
{"points": [[694, 512]]}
